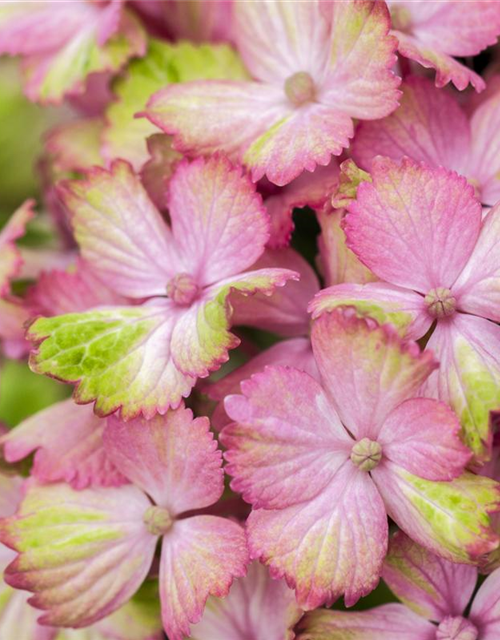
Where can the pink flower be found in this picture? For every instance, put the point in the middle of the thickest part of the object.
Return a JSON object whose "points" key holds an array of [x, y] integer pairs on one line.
{"points": [[431, 33], [85, 553], [316, 66], [420, 231], [431, 126], [435, 594], [323, 464], [146, 358]]}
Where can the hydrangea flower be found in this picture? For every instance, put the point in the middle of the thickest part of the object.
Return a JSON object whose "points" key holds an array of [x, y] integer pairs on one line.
{"points": [[434, 33], [257, 607], [146, 358], [431, 126], [61, 45], [323, 464], [420, 230], [435, 594], [85, 553], [316, 66]]}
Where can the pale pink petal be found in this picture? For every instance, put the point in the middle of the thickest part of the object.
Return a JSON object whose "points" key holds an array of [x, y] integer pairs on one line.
{"points": [[485, 610], [218, 221], [429, 126], [295, 352], [256, 605], [120, 232], [328, 546], [74, 146], [451, 519], [285, 312], [82, 553], [174, 458], [18, 619], [422, 436], [485, 151], [432, 587], [388, 622], [10, 494], [367, 369], [10, 257], [414, 226], [468, 378], [200, 556], [157, 171], [67, 439], [14, 314], [286, 443], [383, 302], [477, 288]]}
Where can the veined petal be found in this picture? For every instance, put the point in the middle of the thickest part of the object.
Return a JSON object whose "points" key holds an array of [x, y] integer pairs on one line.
{"points": [[432, 587], [120, 232], [388, 622], [451, 519], [485, 152], [414, 226], [429, 126], [422, 436], [286, 443], [328, 546], [486, 607], [218, 221], [257, 604], [468, 378], [201, 338], [385, 303], [71, 544], [10, 257], [67, 439], [200, 556], [478, 286], [74, 146], [173, 458], [18, 619], [366, 368], [121, 358]]}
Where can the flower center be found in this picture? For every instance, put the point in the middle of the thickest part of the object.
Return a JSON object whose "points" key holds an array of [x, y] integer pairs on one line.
{"points": [[400, 17], [157, 520], [366, 454], [299, 88], [457, 628], [182, 289], [440, 302]]}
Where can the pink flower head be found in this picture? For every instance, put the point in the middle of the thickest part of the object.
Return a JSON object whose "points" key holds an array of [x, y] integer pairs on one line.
{"points": [[257, 607], [323, 464], [420, 230], [316, 65], [63, 43], [432, 33], [85, 553], [435, 594], [431, 126], [146, 358]]}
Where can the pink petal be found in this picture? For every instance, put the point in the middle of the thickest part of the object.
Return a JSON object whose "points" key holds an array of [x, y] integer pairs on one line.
{"points": [[485, 611], [174, 458], [200, 556], [18, 619], [121, 234], [286, 444], [157, 171], [429, 126], [328, 546], [10, 257], [257, 604], [295, 352], [67, 439], [477, 289], [422, 436], [10, 495], [285, 312], [468, 378], [414, 226], [218, 221], [367, 369], [83, 554], [14, 314], [388, 622], [432, 587], [485, 163], [383, 302]]}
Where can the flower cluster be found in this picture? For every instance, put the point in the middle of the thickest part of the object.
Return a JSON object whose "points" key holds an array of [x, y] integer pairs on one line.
{"points": [[272, 278]]}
